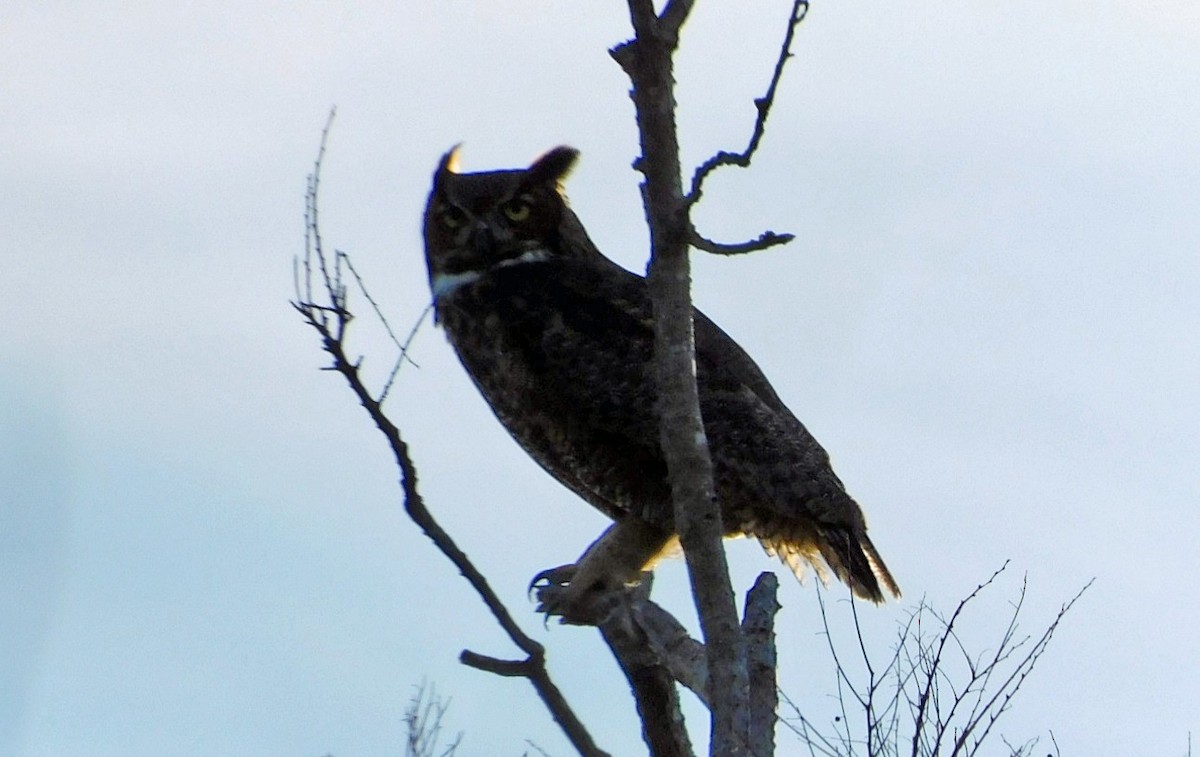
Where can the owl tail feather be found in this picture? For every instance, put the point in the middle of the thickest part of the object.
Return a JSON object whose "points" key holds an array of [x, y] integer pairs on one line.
{"points": [[855, 561]]}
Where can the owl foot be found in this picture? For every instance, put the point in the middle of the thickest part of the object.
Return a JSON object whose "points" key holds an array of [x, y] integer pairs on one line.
{"points": [[558, 596], [560, 593], [576, 603], [560, 576]]}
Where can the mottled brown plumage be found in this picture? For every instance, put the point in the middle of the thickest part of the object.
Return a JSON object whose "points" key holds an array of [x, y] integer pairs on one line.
{"points": [[560, 341]]}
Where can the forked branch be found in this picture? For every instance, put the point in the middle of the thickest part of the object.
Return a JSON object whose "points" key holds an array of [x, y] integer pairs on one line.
{"points": [[648, 61]]}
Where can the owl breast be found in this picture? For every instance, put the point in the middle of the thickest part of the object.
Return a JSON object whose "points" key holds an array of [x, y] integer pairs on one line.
{"points": [[565, 379]]}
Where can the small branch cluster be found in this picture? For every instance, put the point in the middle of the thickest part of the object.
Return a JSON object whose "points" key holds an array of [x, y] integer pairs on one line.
{"points": [[423, 720], [934, 696]]}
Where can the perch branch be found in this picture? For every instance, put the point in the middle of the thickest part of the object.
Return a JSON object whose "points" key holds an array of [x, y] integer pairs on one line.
{"points": [[648, 60], [654, 650], [639, 655]]}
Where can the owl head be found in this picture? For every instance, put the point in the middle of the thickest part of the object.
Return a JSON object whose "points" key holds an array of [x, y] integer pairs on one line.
{"points": [[477, 222]]}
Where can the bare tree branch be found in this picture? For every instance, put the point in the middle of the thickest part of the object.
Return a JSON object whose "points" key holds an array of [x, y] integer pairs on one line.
{"points": [[505, 668], [758, 624], [331, 319], [685, 656], [650, 677], [647, 59], [725, 158]]}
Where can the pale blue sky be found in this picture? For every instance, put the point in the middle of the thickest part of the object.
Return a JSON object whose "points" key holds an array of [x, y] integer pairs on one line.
{"points": [[989, 317]]}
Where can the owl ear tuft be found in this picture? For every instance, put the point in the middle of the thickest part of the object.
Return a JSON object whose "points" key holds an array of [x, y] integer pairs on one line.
{"points": [[449, 161], [552, 167]]}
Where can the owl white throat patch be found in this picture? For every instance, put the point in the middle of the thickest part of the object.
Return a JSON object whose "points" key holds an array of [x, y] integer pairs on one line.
{"points": [[444, 284]]}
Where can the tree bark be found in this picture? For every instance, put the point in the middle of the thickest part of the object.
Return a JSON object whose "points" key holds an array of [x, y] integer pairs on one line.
{"points": [[647, 59]]}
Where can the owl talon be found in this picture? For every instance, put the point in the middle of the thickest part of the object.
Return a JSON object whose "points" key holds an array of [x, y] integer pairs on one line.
{"points": [[552, 577], [571, 603], [572, 607], [583, 604]]}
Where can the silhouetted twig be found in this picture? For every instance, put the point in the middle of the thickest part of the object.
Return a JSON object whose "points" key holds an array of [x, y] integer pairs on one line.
{"points": [[423, 719], [765, 240], [952, 697], [331, 318], [763, 107]]}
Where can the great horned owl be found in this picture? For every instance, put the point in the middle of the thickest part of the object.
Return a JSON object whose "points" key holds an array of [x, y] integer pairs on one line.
{"points": [[560, 341]]}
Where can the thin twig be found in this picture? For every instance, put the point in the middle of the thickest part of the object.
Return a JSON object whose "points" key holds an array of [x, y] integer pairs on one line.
{"points": [[333, 334], [403, 357], [1001, 701], [402, 347], [813, 738], [762, 105], [765, 240], [726, 158], [928, 690]]}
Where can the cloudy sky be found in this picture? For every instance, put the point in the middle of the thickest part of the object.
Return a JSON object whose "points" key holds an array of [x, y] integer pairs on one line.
{"points": [[989, 317]]}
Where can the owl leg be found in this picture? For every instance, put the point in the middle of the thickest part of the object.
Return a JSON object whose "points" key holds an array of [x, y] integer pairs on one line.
{"points": [[613, 561]]}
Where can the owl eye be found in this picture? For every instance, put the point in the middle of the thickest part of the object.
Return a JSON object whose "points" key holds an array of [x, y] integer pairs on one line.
{"points": [[517, 209], [452, 217]]}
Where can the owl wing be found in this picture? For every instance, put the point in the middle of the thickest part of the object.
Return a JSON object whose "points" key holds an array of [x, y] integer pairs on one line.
{"points": [[775, 480], [581, 332], [585, 328]]}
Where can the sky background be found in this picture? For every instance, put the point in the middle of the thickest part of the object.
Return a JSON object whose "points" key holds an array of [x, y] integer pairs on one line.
{"points": [[989, 317]]}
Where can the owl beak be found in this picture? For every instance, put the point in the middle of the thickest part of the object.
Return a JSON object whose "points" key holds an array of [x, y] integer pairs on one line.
{"points": [[483, 240]]}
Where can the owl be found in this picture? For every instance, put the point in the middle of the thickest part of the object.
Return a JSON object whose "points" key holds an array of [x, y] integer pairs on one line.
{"points": [[559, 340]]}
